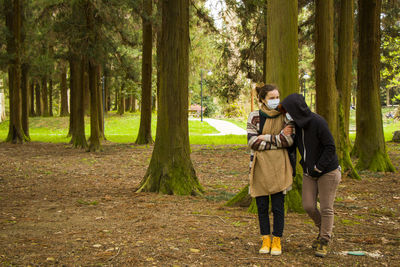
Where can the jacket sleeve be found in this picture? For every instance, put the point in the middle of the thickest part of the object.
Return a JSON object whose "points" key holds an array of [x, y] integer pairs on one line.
{"points": [[270, 142], [328, 147]]}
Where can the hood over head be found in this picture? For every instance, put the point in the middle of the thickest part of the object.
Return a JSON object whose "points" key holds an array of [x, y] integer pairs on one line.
{"points": [[296, 106]]}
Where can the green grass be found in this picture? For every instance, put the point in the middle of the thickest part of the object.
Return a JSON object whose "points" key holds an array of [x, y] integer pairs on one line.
{"points": [[124, 129], [119, 129]]}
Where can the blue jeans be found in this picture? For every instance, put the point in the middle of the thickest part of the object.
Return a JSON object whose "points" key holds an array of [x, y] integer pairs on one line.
{"points": [[278, 210]]}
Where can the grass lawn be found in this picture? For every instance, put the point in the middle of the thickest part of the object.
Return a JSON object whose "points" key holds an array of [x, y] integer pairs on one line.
{"points": [[124, 129], [119, 129]]}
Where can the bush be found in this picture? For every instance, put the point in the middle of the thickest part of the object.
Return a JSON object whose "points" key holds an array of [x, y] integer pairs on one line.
{"points": [[233, 110]]}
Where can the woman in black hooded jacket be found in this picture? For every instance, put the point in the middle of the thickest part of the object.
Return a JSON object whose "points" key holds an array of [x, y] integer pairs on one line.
{"points": [[321, 170]]}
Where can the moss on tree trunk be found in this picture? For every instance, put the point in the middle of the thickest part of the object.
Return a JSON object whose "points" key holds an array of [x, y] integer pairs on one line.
{"points": [[171, 170], [370, 143], [343, 83]]}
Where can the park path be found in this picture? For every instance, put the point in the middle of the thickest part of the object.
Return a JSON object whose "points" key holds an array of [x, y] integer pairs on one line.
{"points": [[225, 127]]}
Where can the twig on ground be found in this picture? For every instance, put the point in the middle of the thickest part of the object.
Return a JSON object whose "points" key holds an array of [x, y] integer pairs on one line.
{"points": [[113, 257]]}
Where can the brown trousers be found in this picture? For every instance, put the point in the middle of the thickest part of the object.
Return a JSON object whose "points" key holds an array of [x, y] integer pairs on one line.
{"points": [[323, 188]]}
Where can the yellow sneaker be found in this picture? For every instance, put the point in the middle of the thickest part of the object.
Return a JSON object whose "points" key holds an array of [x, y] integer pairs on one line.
{"points": [[276, 248], [266, 245]]}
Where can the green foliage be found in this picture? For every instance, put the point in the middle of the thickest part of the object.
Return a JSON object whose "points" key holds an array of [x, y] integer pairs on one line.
{"points": [[233, 110]]}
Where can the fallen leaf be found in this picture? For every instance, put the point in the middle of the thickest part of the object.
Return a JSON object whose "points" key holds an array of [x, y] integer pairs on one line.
{"points": [[194, 250]]}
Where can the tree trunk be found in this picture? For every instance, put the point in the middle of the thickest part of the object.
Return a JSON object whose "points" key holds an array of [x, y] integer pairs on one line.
{"points": [[171, 170], [39, 106], [133, 109], [144, 135], [282, 70], [128, 102], [51, 97], [95, 135], [327, 96], [86, 91], [100, 103], [13, 10], [64, 93], [370, 142], [121, 99], [32, 98], [343, 83], [116, 100], [45, 97], [77, 127], [25, 100]]}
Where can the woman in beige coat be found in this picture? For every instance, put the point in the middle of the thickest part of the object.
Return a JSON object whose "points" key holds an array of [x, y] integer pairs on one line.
{"points": [[268, 134]]}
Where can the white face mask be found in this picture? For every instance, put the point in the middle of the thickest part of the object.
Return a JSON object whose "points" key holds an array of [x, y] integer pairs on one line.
{"points": [[289, 117], [273, 103]]}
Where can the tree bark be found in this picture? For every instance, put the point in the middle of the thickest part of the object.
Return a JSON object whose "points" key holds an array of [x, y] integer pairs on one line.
{"points": [[51, 97], [32, 98], [171, 170], [370, 143], [39, 106], [13, 10], [121, 99], [45, 97], [343, 83], [94, 140], [77, 127], [133, 109], [100, 103], [144, 135], [64, 93], [25, 100], [327, 95]]}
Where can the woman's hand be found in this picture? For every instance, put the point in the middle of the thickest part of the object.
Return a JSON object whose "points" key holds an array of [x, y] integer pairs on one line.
{"points": [[288, 130], [261, 137]]}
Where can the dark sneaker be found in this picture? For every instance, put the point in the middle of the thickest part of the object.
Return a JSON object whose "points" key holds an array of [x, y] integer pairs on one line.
{"points": [[322, 248]]}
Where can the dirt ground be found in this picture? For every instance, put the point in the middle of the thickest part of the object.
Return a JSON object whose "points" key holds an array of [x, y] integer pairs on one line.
{"points": [[65, 207]]}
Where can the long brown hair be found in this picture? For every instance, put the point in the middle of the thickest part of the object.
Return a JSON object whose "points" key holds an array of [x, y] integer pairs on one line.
{"points": [[263, 89]]}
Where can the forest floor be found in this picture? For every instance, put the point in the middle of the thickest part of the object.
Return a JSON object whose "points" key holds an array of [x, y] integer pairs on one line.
{"points": [[66, 207]]}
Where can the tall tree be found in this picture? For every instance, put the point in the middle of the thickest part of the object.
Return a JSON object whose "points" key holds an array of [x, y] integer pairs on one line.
{"points": [[25, 99], [171, 170], [51, 97], [327, 95], [370, 142], [343, 83], [77, 121], [32, 98], [13, 14], [39, 106], [45, 97], [144, 136], [282, 70], [94, 78], [64, 92]]}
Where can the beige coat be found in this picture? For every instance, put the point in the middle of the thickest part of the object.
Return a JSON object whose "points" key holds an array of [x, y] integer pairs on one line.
{"points": [[271, 171]]}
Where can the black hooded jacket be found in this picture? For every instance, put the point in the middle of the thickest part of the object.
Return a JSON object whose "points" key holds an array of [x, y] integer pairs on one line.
{"points": [[313, 137]]}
